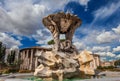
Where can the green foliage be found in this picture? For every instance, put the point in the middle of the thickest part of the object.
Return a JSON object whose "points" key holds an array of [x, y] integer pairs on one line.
{"points": [[2, 52], [9, 70], [18, 62], [117, 62], [34, 79], [11, 58], [25, 71], [52, 41], [2, 55], [5, 71], [108, 68]]}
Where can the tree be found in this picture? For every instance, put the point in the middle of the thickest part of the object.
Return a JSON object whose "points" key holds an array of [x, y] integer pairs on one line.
{"points": [[12, 62], [11, 58], [117, 63], [52, 41], [2, 54]]}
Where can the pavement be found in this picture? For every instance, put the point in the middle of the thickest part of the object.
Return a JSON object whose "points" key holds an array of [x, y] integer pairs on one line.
{"points": [[102, 79], [15, 76], [110, 76]]}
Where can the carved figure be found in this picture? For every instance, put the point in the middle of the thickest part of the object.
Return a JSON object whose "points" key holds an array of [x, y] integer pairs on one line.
{"points": [[62, 23], [63, 61]]}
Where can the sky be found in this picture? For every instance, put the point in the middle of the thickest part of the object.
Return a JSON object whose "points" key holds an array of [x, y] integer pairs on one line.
{"points": [[21, 26]]}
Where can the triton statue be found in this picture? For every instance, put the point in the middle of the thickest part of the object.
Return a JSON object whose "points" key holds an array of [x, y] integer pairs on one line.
{"points": [[62, 23], [63, 61]]}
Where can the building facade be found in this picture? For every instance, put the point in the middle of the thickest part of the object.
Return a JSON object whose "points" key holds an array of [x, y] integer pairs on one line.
{"points": [[29, 59], [107, 63], [95, 62]]}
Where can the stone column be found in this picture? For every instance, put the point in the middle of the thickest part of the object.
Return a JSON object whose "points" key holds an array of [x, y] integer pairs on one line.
{"points": [[27, 65], [31, 60], [36, 60], [21, 58]]}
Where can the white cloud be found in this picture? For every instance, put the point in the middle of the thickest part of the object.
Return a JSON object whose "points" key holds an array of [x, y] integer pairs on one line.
{"points": [[22, 18], [101, 53], [101, 49], [105, 54], [110, 54], [106, 37], [84, 2], [117, 49], [54, 4], [42, 36], [9, 41], [79, 46], [105, 11], [90, 37], [102, 59], [117, 30], [118, 56]]}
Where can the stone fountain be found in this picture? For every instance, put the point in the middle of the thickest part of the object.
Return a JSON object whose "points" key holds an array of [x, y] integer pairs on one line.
{"points": [[63, 61]]}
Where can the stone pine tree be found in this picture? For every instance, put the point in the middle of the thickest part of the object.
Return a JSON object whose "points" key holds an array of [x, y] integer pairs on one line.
{"points": [[2, 54]]}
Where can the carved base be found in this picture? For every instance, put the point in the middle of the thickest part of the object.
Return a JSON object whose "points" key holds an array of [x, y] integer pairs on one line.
{"points": [[61, 65]]}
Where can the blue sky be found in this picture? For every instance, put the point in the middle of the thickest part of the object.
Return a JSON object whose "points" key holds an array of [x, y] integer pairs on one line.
{"points": [[21, 26]]}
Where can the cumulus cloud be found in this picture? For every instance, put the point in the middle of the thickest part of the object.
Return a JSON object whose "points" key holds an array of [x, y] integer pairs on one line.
{"points": [[106, 37], [79, 46], [97, 41], [42, 36], [101, 49], [106, 54], [9, 41], [110, 54], [118, 56], [21, 18], [90, 37], [24, 17], [117, 49], [117, 29]]}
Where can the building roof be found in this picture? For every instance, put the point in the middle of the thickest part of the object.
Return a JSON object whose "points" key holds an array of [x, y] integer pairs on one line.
{"points": [[37, 47]]}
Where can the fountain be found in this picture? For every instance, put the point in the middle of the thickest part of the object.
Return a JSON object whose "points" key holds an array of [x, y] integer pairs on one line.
{"points": [[63, 61]]}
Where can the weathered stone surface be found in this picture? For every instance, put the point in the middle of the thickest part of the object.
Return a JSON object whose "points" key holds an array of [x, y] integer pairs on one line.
{"points": [[63, 61], [62, 23], [85, 58], [63, 65]]}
